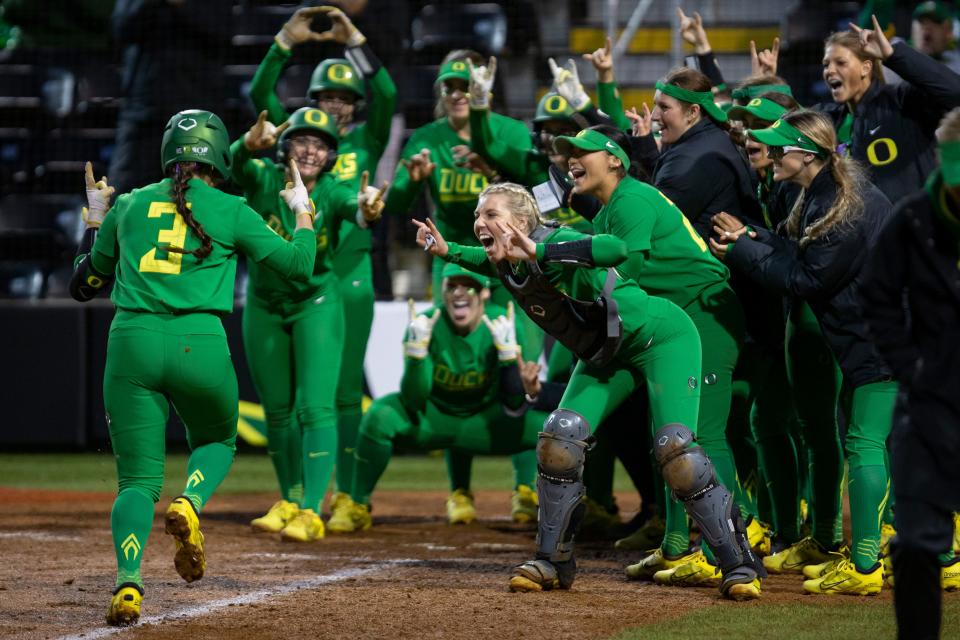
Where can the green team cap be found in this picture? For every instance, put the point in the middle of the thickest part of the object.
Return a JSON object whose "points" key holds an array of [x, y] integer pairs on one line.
{"points": [[454, 70], [950, 162], [553, 106], [312, 120], [783, 134], [702, 98], [934, 10], [451, 270], [196, 136], [759, 108], [755, 91], [591, 140], [336, 74]]}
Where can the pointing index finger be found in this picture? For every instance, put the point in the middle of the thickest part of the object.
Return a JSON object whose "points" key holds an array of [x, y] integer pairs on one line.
{"points": [[364, 180], [88, 175]]}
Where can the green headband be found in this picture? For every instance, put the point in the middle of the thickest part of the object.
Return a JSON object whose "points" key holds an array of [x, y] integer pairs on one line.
{"points": [[783, 134], [591, 140], [751, 92], [760, 108], [950, 162], [702, 98]]}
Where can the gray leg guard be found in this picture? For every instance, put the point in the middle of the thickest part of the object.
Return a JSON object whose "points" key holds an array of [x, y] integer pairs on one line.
{"points": [[693, 481], [561, 451]]}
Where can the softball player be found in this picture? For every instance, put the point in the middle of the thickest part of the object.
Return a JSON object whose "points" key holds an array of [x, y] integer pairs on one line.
{"points": [[625, 340], [337, 88], [172, 248], [294, 332], [461, 390], [836, 216]]}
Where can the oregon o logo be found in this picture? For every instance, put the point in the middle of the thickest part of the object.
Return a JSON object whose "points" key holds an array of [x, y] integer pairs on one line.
{"points": [[459, 65], [556, 104], [316, 117], [339, 72], [754, 103], [890, 152]]}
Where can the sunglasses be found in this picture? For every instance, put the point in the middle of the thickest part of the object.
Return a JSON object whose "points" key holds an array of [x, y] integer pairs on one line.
{"points": [[448, 88], [777, 153]]}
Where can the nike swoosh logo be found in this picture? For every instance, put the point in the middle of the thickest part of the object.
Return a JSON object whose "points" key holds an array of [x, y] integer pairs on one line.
{"points": [[317, 454], [831, 585], [610, 145], [875, 129]]}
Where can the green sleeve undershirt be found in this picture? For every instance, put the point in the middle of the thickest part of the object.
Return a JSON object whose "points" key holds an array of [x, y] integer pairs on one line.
{"points": [[611, 104], [382, 106], [416, 382], [264, 84], [504, 157]]}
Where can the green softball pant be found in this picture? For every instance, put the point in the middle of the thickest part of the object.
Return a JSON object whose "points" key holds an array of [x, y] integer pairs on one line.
{"points": [[154, 360], [815, 382], [668, 366], [869, 408], [294, 356], [389, 421], [355, 281]]}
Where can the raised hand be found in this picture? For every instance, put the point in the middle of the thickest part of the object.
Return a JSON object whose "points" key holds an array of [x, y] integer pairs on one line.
{"points": [[342, 31], [295, 194], [504, 332], [419, 331], [370, 199], [529, 376], [692, 31], [263, 134], [466, 157], [419, 166], [98, 198], [481, 83], [297, 28], [602, 60], [764, 63], [430, 239], [567, 82], [515, 244], [874, 41], [642, 122]]}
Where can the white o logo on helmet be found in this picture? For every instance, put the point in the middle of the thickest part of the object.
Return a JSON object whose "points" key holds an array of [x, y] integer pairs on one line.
{"points": [[186, 124]]}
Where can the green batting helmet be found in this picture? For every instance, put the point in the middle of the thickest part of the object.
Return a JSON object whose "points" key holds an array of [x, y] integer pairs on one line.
{"points": [[336, 74], [553, 106], [312, 120], [195, 135]]}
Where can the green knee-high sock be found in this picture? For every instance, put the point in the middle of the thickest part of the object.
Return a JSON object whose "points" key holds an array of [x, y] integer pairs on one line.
{"points": [[524, 468], [371, 460], [130, 521], [206, 469], [295, 463], [348, 426], [781, 473], [888, 511], [868, 488], [459, 469], [278, 448], [319, 451], [676, 538]]}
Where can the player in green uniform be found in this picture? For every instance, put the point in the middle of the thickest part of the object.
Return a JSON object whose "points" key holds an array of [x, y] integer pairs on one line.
{"points": [[461, 390], [337, 87], [625, 340], [172, 248], [294, 332]]}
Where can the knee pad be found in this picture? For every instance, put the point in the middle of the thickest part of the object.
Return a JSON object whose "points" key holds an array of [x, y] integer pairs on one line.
{"points": [[561, 451], [686, 469], [562, 446]]}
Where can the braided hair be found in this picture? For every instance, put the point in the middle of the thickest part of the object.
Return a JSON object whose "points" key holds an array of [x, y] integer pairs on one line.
{"points": [[181, 172], [519, 201]]}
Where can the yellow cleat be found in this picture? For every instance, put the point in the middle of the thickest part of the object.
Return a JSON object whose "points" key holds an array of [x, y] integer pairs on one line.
{"points": [[655, 562], [524, 505], [846, 580], [305, 527], [125, 605], [887, 532], [760, 537], [648, 536], [348, 516], [183, 524], [950, 576], [795, 557], [814, 571], [744, 591], [281, 513], [956, 533], [460, 508], [598, 520], [698, 572]]}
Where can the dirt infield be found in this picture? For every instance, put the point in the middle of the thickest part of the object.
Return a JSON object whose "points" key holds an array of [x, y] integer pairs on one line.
{"points": [[411, 576]]}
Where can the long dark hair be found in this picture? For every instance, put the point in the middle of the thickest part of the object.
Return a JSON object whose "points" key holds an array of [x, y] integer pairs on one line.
{"points": [[181, 172]]}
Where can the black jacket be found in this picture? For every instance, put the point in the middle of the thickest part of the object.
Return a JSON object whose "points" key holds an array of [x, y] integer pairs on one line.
{"points": [[912, 306], [899, 121], [826, 273], [704, 174]]}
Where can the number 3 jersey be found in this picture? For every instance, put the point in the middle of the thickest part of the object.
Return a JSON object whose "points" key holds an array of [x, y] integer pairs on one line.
{"points": [[136, 236]]}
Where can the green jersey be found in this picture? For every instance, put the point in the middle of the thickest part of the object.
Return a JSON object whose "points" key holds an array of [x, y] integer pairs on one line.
{"points": [[336, 204], [453, 188], [134, 243], [528, 167], [360, 147], [461, 374], [667, 257]]}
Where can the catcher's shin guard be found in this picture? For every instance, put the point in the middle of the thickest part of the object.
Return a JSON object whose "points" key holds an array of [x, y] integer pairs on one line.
{"points": [[693, 481]]}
